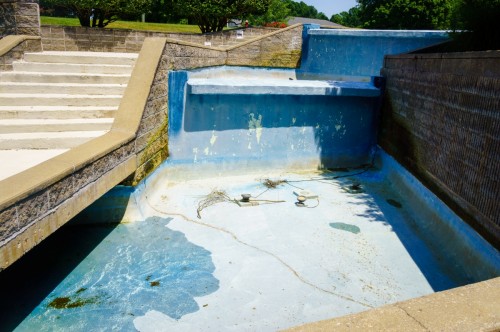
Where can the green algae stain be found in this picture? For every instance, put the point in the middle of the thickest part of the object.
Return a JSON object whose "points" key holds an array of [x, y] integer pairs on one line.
{"points": [[394, 203], [67, 303], [346, 227]]}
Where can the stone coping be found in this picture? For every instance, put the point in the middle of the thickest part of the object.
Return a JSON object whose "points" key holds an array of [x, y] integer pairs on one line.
{"points": [[125, 126], [7, 43], [474, 307]]}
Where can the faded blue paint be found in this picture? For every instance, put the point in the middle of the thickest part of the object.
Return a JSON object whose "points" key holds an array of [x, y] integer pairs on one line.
{"points": [[266, 128], [353, 54], [176, 84], [137, 267]]}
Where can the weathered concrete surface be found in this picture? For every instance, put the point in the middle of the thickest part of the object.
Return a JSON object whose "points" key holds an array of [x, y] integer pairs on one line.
{"points": [[19, 17], [440, 120], [12, 48], [60, 38], [474, 307]]}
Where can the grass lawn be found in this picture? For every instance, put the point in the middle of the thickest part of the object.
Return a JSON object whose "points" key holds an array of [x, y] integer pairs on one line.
{"points": [[162, 27]]}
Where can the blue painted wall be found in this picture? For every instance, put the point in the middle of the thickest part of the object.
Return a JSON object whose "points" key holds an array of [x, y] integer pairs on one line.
{"points": [[358, 53], [236, 127], [267, 130]]}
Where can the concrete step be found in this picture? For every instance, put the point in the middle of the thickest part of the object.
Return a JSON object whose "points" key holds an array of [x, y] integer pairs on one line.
{"points": [[47, 140], [10, 126], [21, 99], [71, 68], [270, 86], [82, 57], [62, 88], [41, 77], [56, 112]]}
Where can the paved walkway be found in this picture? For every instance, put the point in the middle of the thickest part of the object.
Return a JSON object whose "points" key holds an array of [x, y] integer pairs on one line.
{"points": [[16, 161]]}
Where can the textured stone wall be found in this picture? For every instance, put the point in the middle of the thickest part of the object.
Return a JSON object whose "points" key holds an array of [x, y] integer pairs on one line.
{"points": [[19, 17], [277, 49], [57, 38], [441, 120], [22, 44]]}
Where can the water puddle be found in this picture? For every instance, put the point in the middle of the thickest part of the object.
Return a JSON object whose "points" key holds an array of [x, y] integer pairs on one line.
{"points": [[346, 227], [137, 267]]}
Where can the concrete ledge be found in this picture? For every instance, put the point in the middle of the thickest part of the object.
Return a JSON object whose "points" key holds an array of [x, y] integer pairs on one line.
{"points": [[474, 307], [7, 43], [259, 86]]}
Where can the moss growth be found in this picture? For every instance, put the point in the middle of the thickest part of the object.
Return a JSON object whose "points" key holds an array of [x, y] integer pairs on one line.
{"points": [[154, 158], [67, 303], [287, 59]]}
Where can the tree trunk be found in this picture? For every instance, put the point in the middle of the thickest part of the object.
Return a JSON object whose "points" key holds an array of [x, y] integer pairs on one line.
{"points": [[84, 18]]}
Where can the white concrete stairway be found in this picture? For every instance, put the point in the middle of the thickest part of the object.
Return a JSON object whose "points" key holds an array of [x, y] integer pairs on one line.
{"points": [[58, 100]]}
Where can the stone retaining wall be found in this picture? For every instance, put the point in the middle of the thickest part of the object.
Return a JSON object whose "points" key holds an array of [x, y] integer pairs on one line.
{"points": [[19, 17], [59, 38], [12, 48], [441, 120]]}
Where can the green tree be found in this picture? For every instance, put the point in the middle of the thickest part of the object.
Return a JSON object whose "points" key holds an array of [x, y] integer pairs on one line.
{"points": [[301, 9], [350, 18], [212, 15], [277, 11], [99, 13], [477, 22], [405, 14]]}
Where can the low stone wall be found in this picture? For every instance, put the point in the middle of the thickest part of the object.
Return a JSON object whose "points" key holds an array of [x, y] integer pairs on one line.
{"points": [[12, 48], [59, 38], [440, 119], [19, 17]]}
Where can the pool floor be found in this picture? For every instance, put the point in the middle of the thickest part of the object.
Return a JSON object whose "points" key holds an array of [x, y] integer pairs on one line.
{"points": [[258, 267]]}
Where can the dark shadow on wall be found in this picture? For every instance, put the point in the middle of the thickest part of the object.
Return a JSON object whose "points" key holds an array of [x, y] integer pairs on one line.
{"points": [[28, 281], [425, 237], [344, 127]]}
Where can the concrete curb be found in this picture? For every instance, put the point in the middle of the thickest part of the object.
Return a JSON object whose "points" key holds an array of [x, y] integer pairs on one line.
{"points": [[475, 307]]}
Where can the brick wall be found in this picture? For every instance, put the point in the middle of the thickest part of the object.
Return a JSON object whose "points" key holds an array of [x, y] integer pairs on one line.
{"points": [[441, 120], [19, 17], [58, 38]]}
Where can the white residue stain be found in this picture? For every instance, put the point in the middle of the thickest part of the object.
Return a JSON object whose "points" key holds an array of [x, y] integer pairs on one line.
{"points": [[255, 125], [206, 151], [249, 145], [340, 125], [213, 138], [195, 152], [294, 120]]}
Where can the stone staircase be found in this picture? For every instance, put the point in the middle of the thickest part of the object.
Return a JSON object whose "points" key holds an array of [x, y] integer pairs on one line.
{"points": [[58, 100]]}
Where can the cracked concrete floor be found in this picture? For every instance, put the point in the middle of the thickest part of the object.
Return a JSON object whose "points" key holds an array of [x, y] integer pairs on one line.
{"points": [[280, 265], [263, 267]]}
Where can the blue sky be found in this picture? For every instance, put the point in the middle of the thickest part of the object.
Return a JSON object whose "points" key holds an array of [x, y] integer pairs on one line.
{"points": [[330, 7]]}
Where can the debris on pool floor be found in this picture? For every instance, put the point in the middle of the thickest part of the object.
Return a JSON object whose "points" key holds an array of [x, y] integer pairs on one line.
{"points": [[355, 243]]}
